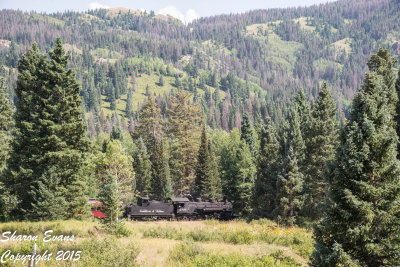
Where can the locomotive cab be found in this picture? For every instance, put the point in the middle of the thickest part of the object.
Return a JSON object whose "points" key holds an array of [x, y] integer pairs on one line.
{"points": [[143, 201]]}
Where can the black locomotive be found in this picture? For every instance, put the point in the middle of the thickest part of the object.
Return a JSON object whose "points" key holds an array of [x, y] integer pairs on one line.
{"points": [[179, 208]]}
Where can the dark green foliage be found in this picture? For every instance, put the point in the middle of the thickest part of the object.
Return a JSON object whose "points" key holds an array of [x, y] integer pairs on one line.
{"points": [[49, 202], [49, 134], [238, 173], [8, 201], [160, 183], [110, 198], [161, 81], [142, 168], [248, 134], [267, 170], [295, 135], [397, 117], [289, 188], [384, 64], [321, 141], [6, 123], [129, 105], [207, 182], [361, 225]]}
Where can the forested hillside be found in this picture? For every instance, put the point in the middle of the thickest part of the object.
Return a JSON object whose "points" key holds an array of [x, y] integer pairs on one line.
{"points": [[259, 58]]}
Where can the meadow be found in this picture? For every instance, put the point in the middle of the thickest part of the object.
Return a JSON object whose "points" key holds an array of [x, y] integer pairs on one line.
{"points": [[165, 243]]}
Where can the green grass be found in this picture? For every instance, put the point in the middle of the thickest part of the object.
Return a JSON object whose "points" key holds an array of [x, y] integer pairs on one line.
{"points": [[343, 45], [47, 19], [280, 53], [321, 64], [303, 24], [175, 243]]}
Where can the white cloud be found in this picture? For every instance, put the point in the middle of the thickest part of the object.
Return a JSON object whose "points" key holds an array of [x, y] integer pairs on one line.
{"points": [[97, 5], [190, 15]]}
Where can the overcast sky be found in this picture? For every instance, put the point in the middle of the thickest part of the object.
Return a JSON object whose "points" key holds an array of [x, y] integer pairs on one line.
{"points": [[185, 10]]}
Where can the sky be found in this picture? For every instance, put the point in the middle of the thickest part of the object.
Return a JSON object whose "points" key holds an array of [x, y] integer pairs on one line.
{"points": [[185, 10]]}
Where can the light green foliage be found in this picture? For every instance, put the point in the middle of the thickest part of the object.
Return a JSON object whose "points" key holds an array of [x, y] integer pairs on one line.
{"points": [[116, 162], [183, 131], [110, 196], [361, 225], [237, 171]]}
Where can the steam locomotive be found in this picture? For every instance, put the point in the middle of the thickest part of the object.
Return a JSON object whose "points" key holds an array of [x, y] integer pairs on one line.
{"points": [[179, 208]]}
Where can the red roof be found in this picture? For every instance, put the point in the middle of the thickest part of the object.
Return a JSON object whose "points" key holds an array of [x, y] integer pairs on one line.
{"points": [[98, 214]]}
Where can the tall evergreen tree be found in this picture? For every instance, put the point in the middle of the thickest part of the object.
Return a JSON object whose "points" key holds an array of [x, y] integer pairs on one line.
{"points": [[216, 185], [7, 201], [384, 64], [289, 189], [110, 194], [248, 135], [202, 182], [150, 125], [321, 142], [361, 225], [184, 130], [267, 171], [295, 135], [142, 167], [6, 123], [160, 182], [129, 105], [70, 145], [49, 136], [24, 164]]}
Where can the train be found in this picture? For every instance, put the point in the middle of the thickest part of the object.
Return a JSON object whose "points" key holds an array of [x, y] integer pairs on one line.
{"points": [[179, 208]]}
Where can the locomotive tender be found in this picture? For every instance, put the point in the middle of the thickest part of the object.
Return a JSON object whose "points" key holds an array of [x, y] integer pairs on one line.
{"points": [[179, 208]]}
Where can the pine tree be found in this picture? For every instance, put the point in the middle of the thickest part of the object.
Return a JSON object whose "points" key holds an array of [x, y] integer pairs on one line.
{"points": [[142, 168], [397, 117], [216, 185], [183, 131], [109, 196], [207, 183], [68, 133], [248, 134], [160, 182], [267, 171], [150, 125], [129, 105], [161, 81], [49, 135], [8, 202], [321, 143], [202, 182], [245, 175], [289, 188], [384, 64], [361, 225], [6, 123], [295, 135], [303, 110]]}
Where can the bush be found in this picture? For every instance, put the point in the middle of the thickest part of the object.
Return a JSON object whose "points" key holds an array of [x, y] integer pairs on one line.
{"points": [[190, 254]]}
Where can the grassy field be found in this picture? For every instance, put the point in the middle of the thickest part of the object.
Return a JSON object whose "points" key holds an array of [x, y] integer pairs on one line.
{"points": [[163, 243]]}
